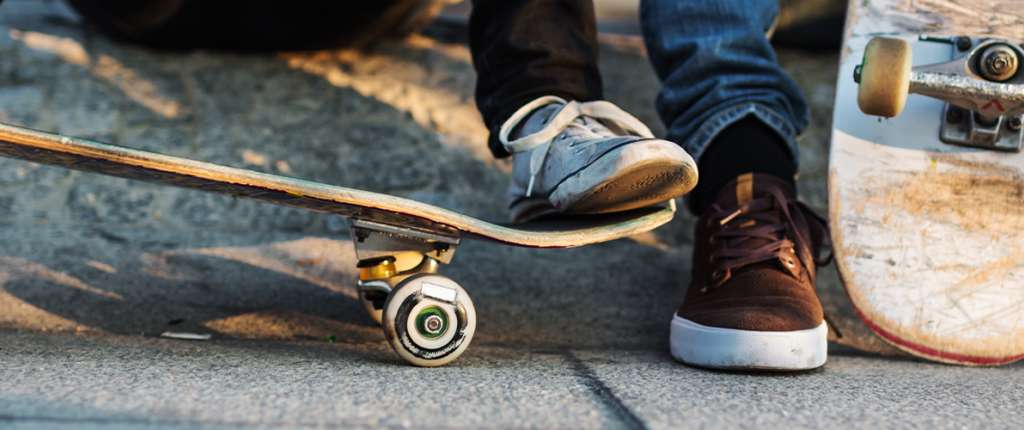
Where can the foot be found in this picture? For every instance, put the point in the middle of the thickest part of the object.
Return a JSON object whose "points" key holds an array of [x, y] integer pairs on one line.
{"points": [[752, 303], [571, 157]]}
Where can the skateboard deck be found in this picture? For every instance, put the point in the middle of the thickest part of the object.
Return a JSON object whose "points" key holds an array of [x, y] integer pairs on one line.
{"points": [[81, 154], [400, 243], [927, 207]]}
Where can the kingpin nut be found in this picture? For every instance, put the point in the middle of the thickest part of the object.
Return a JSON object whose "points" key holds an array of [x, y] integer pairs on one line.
{"points": [[999, 63]]}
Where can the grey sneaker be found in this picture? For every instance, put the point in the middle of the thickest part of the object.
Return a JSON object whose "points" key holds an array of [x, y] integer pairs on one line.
{"points": [[592, 157]]}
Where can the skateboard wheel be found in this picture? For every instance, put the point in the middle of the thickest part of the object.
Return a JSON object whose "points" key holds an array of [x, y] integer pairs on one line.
{"points": [[429, 320], [884, 77]]}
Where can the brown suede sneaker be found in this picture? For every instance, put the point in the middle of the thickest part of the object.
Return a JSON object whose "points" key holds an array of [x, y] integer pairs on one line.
{"points": [[752, 303]]}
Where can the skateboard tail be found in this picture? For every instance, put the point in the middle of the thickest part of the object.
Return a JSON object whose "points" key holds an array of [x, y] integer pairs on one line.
{"points": [[935, 354], [925, 205], [111, 160]]}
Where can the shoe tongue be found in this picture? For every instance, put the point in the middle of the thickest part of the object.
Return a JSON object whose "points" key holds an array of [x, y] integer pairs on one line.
{"points": [[539, 118], [536, 121], [749, 186]]}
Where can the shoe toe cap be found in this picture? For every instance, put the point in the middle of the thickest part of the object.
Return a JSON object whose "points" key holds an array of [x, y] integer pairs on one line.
{"points": [[771, 315]]}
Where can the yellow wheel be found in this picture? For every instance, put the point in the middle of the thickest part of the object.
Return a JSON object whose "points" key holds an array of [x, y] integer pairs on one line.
{"points": [[884, 77], [373, 284]]}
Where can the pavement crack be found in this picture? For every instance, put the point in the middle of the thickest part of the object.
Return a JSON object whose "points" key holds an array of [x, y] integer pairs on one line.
{"points": [[108, 236], [603, 394]]}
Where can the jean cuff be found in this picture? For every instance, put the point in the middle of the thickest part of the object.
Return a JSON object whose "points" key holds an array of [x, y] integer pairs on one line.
{"points": [[718, 121]]}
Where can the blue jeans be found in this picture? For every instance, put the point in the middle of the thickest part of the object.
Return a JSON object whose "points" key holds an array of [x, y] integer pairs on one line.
{"points": [[713, 57], [717, 67]]}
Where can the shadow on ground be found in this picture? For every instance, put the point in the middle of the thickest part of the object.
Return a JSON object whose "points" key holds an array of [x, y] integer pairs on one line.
{"points": [[91, 253]]}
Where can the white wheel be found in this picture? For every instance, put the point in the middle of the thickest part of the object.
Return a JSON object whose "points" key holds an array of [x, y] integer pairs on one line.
{"points": [[429, 320], [884, 77]]}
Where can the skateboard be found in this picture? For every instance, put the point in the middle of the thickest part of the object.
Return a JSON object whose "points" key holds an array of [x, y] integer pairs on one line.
{"points": [[926, 176], [400, 244]]}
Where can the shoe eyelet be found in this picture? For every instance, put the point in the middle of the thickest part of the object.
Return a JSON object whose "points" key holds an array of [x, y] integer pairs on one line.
{"points": [[717, 275]]}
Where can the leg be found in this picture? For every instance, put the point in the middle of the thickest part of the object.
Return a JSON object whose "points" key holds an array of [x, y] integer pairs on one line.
{"points": [[525, 49], [719, 70], [751, 303], [539, 92], [256, 25]]}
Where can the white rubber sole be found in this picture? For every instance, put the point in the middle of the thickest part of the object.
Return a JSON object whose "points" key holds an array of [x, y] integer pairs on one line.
{"points": [[731, 349]]}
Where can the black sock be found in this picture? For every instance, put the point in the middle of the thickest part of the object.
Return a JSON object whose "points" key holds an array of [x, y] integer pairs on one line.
{"points": [[747, 146]]}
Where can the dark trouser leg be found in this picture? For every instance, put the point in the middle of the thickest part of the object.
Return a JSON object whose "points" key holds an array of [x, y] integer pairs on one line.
{"points": [[524, 49], [250, 25]]}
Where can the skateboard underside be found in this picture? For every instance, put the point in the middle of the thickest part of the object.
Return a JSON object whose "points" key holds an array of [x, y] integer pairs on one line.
{"points": [[929, 236]]}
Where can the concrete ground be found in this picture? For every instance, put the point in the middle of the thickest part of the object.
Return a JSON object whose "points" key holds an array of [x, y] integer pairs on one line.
{"points": [[94, 269]]}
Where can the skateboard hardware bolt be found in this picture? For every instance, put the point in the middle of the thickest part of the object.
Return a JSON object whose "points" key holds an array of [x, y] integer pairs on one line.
{"points": [[431, 322], [998, 63], [954, 115], [1014, 123], [963, 43], [857, 71]]}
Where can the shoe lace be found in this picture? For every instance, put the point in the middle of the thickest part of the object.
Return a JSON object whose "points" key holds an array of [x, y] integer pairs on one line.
{"points": [[595, 118], [755, 233]]}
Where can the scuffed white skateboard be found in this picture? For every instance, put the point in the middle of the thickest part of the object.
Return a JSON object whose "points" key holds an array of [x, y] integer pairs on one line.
{"points": [[927, 176]]}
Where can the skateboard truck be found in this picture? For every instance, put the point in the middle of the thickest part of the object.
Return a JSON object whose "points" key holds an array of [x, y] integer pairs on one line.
{"points": [[428, 319], [982, 85]]}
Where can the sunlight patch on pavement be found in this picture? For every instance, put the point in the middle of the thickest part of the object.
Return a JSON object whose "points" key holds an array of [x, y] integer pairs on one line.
{"points": [[280, 324], [254, 158], [135, 87], [405, 87], [101, 266], [12, 268], [19, 312], [327, 263], [452, 52], [652, 240]]}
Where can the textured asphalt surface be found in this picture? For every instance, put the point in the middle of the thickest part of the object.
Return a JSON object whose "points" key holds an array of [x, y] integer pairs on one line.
{"points": [[83, 381], [93, 269]]}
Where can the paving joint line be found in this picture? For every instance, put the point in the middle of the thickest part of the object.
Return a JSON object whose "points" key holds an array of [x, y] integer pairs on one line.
{"points": [[603, 394]]}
